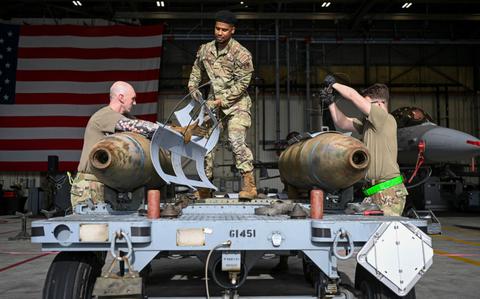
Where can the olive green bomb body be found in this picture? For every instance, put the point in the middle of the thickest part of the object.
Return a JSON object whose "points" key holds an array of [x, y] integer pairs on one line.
{"points": [[329, 161], [122, 162]]}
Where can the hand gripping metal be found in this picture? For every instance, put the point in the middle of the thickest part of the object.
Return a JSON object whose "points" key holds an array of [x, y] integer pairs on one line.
{"points": [[195, 150]]}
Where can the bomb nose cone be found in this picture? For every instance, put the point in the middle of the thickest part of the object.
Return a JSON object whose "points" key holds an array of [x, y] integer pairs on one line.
{"points": [[359, 159], [101, 158]]}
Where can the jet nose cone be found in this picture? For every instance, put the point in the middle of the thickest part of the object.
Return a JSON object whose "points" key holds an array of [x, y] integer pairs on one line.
{"points": [[443, 144]]}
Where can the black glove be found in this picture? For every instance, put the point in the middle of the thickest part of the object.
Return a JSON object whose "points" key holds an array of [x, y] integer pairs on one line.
{"points": [[327, 96], [329, 81]]}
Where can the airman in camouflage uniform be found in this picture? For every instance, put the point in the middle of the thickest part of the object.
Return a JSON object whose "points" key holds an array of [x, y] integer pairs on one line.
{"points": [[113, 118], [228, 65], [379, 133]]}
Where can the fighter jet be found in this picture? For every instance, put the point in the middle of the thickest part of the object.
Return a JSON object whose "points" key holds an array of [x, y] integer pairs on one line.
{"points": [[418, 135]]}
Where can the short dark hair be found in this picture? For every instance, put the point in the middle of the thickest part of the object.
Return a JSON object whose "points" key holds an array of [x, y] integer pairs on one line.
{"points": [[226, 16], [377, 91]]}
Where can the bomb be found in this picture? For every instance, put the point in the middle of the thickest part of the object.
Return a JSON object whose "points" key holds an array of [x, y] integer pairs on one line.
{"points": [[329, 161], [122, 162]]}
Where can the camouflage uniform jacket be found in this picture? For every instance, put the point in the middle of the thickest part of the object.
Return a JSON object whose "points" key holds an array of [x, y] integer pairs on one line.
{"points": [[230, 72]]}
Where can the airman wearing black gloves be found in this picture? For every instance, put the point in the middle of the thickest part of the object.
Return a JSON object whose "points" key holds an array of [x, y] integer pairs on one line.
{"points": [[379, 133]]}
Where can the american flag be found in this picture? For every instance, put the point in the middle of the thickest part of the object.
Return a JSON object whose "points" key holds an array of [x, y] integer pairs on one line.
{"points": [[53, 78]]}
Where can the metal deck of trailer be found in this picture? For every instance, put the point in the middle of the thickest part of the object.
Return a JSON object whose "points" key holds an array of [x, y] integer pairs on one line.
{"points": [[202, 227]]}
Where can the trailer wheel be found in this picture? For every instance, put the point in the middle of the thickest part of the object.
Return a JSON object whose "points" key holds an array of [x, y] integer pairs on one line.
{"points": [[72, 275], [372, 288]]}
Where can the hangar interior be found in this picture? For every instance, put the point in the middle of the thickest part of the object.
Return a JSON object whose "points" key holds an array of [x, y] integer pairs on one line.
{"points": [[426, 51]]}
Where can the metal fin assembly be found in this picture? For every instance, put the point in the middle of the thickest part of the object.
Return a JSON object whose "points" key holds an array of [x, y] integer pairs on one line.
{"points": [[193, 148]]}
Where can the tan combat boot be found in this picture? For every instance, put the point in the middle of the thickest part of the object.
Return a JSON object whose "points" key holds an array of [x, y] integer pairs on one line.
{"points": [[249, 189]]}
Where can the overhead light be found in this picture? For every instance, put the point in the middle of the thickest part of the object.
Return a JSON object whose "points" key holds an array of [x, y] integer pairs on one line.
{"points": [[241, 2], [407, 5], [326, 4], [160, 3], [77, 3]]}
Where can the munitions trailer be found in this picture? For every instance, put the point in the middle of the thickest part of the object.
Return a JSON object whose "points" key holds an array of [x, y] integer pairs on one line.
{"points": [[392, 253]]}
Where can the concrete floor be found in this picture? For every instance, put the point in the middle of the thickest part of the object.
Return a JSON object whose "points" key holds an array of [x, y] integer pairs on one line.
{"points": [[455, 272]]}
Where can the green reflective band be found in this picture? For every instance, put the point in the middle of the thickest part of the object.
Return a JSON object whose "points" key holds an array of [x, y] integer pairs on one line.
{"points": [[382, 186]]}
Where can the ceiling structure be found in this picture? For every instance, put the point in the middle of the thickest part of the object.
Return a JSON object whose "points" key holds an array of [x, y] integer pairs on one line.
{"points": [[372, 19]]}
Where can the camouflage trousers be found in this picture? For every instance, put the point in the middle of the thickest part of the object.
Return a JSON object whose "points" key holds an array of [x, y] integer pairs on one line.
{"points": [[391, 200], [237, 124], [86, 186]]}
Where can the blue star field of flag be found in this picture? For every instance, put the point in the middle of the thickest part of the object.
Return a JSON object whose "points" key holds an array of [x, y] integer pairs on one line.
{"points": [[9, 35]]}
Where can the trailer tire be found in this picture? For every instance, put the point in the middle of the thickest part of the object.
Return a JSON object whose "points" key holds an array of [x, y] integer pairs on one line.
{"points": [[72, 275], [372, 288]]}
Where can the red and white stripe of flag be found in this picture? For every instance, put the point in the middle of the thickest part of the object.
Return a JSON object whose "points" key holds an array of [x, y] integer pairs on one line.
{"points": [[63, 76]]}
